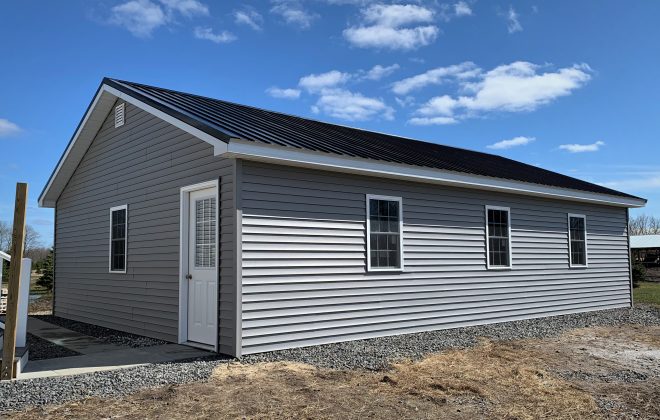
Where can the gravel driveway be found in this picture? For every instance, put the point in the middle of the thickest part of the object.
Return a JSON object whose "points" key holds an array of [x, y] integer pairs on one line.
{"points": [[370, 354]]}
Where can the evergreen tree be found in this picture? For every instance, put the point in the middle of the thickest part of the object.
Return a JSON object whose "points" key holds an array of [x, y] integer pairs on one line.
{"points": [[46, 279]]}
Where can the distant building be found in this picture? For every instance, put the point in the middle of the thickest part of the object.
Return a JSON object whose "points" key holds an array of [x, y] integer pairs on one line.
{"points": [[646, 249]]}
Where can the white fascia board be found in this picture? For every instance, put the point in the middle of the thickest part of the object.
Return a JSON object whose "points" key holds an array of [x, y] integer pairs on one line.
{"points": [[92, 122], [289, 156]]}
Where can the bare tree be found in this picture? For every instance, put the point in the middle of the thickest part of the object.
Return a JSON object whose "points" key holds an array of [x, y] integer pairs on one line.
{"points": [[5, 236], [32, 237], [644, 225]]}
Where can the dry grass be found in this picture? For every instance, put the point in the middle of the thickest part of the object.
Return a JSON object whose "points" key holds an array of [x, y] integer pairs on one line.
{"points": [[493, 380]]}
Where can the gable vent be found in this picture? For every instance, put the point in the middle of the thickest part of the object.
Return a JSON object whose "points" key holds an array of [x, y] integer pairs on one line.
{"points": [[119, 115]]}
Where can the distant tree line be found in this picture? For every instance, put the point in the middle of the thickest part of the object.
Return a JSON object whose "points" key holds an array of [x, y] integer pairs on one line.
{"points": [[644, 225]]}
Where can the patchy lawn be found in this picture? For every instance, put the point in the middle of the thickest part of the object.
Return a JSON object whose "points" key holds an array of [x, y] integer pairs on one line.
{"points": [[647, 292], [602, 372]]}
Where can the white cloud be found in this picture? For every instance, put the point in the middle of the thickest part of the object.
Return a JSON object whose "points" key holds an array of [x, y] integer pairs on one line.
{"points": [[648, 183], [293, 13], [8, 128], [378, 72], [514, 142], [580, 148], [395, 15], [405, 102], [434, 77], [187, 8], [462, 9], [208, 34], [459, 9], [513, 24], [317, 82], [249, 17], [433, 120], [276, 92], [140, 17], [514, 87], [347, 105], [383, 27]]}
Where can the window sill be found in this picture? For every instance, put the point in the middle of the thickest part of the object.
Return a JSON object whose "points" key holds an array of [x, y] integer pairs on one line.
{"points": [[385, 270], [500, 268]]}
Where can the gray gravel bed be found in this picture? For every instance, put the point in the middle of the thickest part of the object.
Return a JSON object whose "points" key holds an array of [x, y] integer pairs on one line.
{"points": [[627, 375], [105, 334], [377, 353]]}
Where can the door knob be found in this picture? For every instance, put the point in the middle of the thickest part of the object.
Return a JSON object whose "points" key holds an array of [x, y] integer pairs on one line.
{"points": [[188, 276]]}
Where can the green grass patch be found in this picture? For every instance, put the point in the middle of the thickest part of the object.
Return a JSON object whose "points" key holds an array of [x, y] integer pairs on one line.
{"points": [[647, 292]]}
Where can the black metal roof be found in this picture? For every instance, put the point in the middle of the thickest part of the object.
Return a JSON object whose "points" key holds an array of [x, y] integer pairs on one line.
{"points": [[226, 120]]}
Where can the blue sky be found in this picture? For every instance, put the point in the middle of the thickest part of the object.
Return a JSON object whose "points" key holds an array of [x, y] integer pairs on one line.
{"points": [[569, 86]]}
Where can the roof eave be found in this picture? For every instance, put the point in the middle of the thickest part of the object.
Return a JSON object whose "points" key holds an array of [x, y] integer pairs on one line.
{"points": [[248, 150]]}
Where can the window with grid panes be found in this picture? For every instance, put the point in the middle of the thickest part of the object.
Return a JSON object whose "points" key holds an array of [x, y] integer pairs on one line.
{"points": [[384, 233], [577, 228], [118, 217], [499, 246]]}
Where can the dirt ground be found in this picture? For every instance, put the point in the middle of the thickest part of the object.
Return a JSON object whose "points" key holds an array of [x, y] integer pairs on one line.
{"points": [[587, 373]]}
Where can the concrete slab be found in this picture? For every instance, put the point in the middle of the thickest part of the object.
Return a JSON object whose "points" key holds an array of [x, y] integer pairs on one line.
{"points": [[121, 358], [64, 337]]}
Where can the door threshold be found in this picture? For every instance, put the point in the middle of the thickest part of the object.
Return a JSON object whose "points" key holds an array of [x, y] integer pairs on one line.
{"points": [[202, 346]]}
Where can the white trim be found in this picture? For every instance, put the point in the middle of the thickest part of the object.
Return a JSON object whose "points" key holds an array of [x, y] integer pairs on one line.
{"points": [[369, 197], [219, 146], [510, 247], [110, 270], [184, 223], [289, 156], [81, 127], [586, 248]]}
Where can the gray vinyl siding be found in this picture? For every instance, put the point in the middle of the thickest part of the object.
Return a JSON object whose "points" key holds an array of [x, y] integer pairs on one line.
{"points": [[143, 164], [304, 278]]}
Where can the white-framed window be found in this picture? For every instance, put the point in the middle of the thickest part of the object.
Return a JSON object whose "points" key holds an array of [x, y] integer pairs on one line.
{"points": [[205, 228], [118, 242], [577, 240], [384, 233], [498, 237]]}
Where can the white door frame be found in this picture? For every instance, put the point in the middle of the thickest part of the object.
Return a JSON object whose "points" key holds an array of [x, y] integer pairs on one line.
{"points": [[184, 224]]}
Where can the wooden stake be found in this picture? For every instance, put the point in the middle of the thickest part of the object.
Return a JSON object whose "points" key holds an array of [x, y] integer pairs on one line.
{"points": [[17, 242]]}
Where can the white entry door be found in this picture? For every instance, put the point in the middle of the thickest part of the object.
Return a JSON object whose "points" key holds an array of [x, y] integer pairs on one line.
{"points": [[202, 272]]}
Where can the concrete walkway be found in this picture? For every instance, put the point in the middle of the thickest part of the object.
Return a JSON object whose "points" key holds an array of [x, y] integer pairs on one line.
{"points": [[121, 358], [64, 337], [96, 355]]}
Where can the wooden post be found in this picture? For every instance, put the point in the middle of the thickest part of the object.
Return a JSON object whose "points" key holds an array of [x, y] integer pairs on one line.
{"points": [[17, 242]]}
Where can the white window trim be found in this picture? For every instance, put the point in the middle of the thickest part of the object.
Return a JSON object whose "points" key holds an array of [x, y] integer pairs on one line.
{"points": [[110, 270], [388, 198], [586, 247], [498, 267]]}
